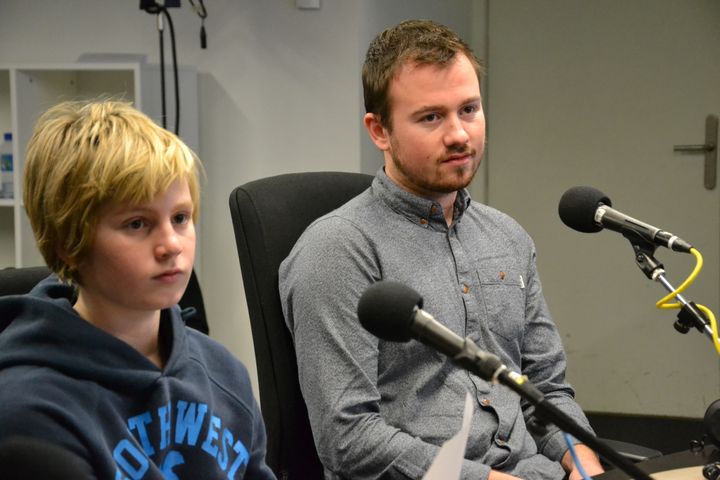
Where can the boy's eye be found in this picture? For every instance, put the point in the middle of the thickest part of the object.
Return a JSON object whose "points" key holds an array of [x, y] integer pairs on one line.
{"points": [[136, 224], [181, 218]]}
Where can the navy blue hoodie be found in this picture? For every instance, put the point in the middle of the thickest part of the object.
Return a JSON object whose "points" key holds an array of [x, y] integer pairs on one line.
{"points": [[64, 381]]}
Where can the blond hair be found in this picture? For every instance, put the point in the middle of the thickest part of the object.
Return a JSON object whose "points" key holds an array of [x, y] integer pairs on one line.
{"points": [[85, 155]]}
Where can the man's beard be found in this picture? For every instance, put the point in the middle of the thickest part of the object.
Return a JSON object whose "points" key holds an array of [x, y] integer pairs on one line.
{"points": [[448, 183]]}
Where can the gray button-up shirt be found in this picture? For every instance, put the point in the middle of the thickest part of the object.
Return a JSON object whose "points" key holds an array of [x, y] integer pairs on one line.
{"points": [[380, 408]]}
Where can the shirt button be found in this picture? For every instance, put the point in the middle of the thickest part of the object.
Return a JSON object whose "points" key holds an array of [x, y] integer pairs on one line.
{"points": [[433, 209], [423, 221], [485, 402], [465, 288]]}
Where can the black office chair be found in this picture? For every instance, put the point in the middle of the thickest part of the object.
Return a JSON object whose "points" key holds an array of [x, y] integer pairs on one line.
{"points": [[17, 281], [268, 217]]}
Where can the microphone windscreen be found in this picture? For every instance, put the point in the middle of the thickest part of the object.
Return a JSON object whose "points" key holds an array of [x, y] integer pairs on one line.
{"points": [[387, 309], [577, 208]]}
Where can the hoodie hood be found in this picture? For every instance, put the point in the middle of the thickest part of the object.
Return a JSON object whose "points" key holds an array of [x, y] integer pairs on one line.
{"points": [[66, 381], [42, 329]]}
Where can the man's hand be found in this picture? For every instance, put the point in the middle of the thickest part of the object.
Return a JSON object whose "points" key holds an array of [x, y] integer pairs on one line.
{"points": [[495, 475], [588, 459]]}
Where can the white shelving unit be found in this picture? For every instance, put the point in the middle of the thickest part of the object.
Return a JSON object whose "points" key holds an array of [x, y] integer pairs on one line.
{"points": [[28, 90]]}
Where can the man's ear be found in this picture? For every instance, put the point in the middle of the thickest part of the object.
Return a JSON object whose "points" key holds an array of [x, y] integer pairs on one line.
{"points": [[378, 133]]}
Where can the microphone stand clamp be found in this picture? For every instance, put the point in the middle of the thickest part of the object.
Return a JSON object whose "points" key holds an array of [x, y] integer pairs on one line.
{"points": [[644, 258], [689, 316]]}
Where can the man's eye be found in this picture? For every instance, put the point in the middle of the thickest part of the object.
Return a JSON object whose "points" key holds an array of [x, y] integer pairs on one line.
{"points": [[430, 117]]}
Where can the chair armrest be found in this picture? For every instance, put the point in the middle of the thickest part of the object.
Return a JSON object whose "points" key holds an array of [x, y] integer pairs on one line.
{"points": [[631, 451]]}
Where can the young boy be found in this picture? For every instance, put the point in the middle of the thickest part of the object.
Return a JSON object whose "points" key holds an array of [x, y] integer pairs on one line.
{"points": [[96, 359]]}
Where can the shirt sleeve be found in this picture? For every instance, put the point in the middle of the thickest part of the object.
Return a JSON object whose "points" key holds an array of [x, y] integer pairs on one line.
{"points": [[544, 363], [320, 285]]}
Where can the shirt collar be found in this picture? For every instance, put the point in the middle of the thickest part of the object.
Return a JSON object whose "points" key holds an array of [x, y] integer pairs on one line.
{"points": [[420, 210]]}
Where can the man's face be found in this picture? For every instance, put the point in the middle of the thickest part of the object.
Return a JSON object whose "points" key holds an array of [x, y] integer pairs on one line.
{"points": [[438, 128], [142, 256]]}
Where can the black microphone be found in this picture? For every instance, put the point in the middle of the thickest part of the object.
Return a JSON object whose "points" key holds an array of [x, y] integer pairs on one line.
{"points": [[392, 311], [588, 210]]}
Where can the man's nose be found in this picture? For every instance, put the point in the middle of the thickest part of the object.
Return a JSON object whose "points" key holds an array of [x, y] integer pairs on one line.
{"points": [[456, 134]]}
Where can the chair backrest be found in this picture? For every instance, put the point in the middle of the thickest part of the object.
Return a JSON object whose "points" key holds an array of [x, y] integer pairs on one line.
{"points": [[193, 298], [268, 217], [18, 281]]}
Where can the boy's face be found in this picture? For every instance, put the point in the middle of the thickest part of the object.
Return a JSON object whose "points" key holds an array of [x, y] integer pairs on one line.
{"points": [[142, 256]]}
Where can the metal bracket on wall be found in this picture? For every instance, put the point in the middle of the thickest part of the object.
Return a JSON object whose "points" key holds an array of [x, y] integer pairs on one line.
{"points": [[709, 148]]}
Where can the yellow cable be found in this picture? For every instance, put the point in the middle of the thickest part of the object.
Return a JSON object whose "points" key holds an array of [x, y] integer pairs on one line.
{"points": [[662, 303], [713, 325]]}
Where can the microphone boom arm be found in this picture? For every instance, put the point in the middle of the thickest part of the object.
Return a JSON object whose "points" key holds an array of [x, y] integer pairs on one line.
{"points": [[489, 367]]}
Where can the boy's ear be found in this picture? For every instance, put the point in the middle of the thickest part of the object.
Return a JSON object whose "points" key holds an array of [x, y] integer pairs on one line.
{"points": [[65, 257], [378, 133]]}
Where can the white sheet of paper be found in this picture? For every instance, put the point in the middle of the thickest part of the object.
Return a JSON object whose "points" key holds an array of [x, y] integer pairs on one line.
{"points": [[448, 462]]}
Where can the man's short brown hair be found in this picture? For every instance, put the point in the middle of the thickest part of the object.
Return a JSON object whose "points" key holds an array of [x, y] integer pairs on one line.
{"points": [[421, 42]]}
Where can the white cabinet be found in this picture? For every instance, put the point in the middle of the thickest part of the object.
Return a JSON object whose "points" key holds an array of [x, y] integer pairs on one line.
{"points": [[28, 90]]}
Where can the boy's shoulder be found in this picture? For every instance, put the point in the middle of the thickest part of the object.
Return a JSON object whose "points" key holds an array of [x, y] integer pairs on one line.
{"points": [[220, 365]]}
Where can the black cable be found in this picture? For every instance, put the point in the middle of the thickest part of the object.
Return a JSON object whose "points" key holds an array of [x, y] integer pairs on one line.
{"points": [[161, 10], [175, 72], [202, 13], [161, 31]]}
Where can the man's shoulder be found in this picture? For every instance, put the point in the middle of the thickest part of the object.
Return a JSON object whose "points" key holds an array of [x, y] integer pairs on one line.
{"points": [[358, 213], [334, 241]]}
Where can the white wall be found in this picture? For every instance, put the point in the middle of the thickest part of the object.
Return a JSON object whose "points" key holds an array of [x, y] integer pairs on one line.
{"points": [[597, 93], [279, 91]]}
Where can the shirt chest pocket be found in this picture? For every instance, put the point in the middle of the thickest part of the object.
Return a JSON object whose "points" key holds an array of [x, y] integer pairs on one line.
{"points": [[503, 293]]}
